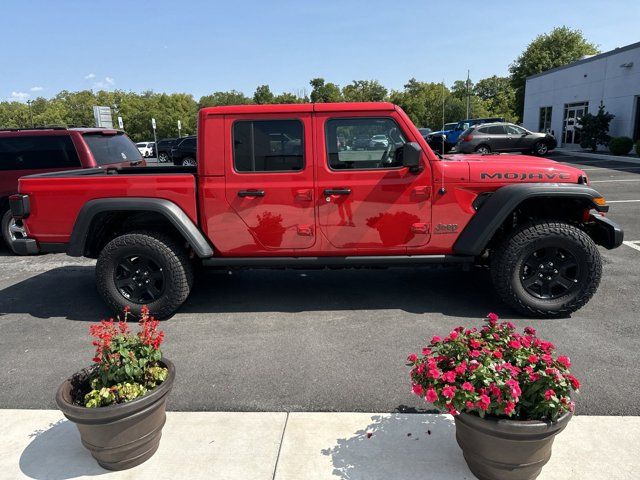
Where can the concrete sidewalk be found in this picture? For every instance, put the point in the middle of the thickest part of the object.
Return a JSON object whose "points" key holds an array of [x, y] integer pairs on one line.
{"points": [[42, 444]]}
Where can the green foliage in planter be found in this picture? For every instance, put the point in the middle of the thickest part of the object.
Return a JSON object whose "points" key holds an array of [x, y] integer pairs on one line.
{"points": [[127, 363], [595, 128], [620, 145]]}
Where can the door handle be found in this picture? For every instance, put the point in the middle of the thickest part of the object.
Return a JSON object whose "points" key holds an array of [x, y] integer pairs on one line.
{"points": [[337, 191], [251, 193], [133, 164]]}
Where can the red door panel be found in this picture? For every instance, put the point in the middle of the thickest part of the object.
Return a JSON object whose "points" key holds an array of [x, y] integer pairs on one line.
{"points": [[275, 205], [381, 210]]}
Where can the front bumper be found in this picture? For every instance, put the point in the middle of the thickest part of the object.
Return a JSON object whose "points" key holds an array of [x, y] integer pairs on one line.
{"points": [[606, 232]]}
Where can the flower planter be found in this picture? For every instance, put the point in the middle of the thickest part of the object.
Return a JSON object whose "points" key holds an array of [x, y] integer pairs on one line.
{"points": [[499, 449], [119, 436]]}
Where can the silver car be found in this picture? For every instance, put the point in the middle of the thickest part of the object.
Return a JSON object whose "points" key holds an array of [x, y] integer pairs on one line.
{"points": [[504, 137]]}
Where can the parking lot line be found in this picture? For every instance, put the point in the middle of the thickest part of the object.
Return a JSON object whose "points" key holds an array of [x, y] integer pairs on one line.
{"points": [[623, 180], [635, 244], [621, 169], [622, 201]]}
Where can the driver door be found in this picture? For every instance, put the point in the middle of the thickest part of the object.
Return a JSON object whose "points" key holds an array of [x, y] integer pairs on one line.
{"points": [[367, 201]]}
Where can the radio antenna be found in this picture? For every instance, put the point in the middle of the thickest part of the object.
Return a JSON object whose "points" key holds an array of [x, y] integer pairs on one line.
{"points": [[442, 190]]}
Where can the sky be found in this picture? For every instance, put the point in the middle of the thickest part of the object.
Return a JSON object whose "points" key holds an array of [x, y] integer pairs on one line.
{"points": [[200, 47]]}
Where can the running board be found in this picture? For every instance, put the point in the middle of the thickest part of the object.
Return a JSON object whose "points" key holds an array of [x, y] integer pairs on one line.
{"points": [[302, 262]]}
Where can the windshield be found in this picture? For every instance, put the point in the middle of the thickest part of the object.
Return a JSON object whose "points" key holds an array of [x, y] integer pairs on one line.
{"points": [[109, 149]]}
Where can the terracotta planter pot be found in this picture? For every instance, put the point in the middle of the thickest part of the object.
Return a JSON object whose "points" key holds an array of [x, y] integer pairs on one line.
{"points": [[119, 436], [497, 449]]}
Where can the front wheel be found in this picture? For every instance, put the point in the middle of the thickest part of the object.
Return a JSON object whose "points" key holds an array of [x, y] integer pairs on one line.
{"points": [[163, 158], [144, 268], [189, 162], [546, 269], [10, 230]]}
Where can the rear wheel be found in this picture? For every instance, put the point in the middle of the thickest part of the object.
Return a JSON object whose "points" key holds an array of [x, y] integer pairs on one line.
{"points": [[10, 232], [189, 162], [547, 269], [144, 268], [163, 158], [483, 149], [540, 148]]}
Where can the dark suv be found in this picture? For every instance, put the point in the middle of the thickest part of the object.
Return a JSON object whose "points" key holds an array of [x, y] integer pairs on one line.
{"points": [[184, 152], [164, 149], [38, 150], [504, 137]]}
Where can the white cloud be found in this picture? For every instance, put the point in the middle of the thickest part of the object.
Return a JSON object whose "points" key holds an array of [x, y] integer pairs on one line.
{"points": [[104, 84], [20, 95], [90, 76], [36, 89]]}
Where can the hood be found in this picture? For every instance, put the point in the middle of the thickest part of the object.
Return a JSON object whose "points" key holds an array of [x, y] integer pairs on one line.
{"points": [[517, 169]]}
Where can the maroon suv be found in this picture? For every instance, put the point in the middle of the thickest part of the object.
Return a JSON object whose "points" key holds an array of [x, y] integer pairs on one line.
{"points": [[27, 151]]}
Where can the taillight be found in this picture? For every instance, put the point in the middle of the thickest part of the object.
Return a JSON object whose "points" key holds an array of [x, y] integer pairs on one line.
{"points": [[468, 138]]}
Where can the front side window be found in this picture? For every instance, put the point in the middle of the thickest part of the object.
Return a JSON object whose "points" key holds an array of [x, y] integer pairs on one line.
{"points": [[109, 149], [38, 152], [268, 146], [514, 130], [363, 143]]}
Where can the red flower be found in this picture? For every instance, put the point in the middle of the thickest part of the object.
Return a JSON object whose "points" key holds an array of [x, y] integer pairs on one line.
{"points": [[549, 393], [449, 391], [473, 343], [418, 390], [484, 403], [449, 376], [564, 361], [436, 339], [497, 354], [514, 388], [461, 368], [475, 353], [426, 351], [433, 373], [533, 358], [468, 387], [412, 357], [510, 406], [452, 409], [453, 335], [575, 384], [515, 344], [493, 318], [432, 396], [530, 330]]}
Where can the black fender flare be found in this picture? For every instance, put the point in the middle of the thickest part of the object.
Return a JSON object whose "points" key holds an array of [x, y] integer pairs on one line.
{"points": [[166, 208], [497, 207]]}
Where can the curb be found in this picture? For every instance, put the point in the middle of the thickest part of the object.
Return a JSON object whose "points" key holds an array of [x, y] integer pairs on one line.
{"points": [[42, 444], [598, 156]]}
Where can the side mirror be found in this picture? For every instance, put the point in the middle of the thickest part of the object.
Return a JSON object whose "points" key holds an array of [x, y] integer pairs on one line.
{"points": [[411, 156]]}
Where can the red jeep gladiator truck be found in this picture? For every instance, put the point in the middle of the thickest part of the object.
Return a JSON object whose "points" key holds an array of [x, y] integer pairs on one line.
{"points": [[289, 186]]}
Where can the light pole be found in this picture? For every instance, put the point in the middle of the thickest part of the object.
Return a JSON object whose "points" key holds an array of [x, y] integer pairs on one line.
{"points": [[29, 102]]}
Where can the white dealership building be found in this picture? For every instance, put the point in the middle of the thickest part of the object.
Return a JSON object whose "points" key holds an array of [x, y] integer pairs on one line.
{"points": [[556, 98]]}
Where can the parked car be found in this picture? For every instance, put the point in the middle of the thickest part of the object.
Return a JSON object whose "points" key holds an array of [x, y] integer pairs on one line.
{"points": [[504, 137], [37, 150], [424, 131], [444, 140], [164, 149], [184, 152], [379, 141], [253, 203], [145, 148], [361, 142]]}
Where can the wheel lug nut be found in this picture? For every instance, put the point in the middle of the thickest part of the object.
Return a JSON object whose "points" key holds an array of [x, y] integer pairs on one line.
{"points": [[548, 278], [540, 275], [541, 266], [555, 271]]}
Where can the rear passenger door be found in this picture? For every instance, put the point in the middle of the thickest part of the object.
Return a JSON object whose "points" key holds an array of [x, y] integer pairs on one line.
{"points": [[498, 139], [269, 178]]}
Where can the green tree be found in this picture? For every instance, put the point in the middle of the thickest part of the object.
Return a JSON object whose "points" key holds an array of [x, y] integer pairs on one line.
{"points": [[232, 97], [263, 95], [550, 50], [288, 97], [498, 95], [594, 129], [364, 91], [324, 92]]}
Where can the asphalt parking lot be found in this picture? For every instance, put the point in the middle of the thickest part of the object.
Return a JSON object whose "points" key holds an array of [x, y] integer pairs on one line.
{"points": [[321, 340]]}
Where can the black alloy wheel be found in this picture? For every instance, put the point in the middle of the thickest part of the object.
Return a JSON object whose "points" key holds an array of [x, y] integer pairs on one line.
{"points": [[139, 279], [550, 273]]}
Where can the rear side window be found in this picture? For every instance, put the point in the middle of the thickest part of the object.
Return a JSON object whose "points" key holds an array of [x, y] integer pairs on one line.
{"points": [[268, 146], [38, 152], [108, 149], [496, 130]]}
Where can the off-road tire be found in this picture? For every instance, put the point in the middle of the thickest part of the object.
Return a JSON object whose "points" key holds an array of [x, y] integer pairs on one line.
{"points": [[507, 261], [165, 251]]}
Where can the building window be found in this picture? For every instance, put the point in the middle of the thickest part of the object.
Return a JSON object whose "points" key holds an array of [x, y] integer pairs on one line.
{"points": [[544, 125]]}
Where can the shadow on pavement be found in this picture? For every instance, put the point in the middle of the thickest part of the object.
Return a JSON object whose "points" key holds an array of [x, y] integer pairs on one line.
{"points": [[585, 162], [69, 292], [57, 454], [400, 447]]}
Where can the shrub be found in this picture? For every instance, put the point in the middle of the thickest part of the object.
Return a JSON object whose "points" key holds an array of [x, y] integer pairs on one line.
{"points": [[126, 363], [620, 145], [494, 371], [595, 128]]}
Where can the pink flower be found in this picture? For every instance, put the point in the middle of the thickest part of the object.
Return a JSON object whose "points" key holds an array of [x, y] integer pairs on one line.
{"points": [[412, 357], [469, 405], [509, 408], [530, 330], [493, 318], [453, 335], [432, 396], [468, 387], [417, 389], [433, 373], [484, 403], [452, 409], [533, 358], [497, 354], [473, 343], [549, 393], [426, 351], [575, 384], [534, 377], [449, 391], [449, 376], [436, 339], [564, 361], [514, 388], [474, 353], [460, 369], [515, 344], [546, 358]]}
